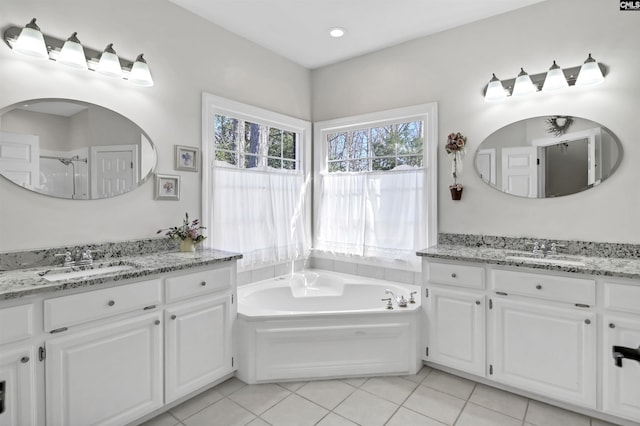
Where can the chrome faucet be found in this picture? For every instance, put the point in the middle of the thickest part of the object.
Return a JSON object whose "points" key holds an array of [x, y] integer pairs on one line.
{"points": [[539, 249], [401, 301], [80, 258]]}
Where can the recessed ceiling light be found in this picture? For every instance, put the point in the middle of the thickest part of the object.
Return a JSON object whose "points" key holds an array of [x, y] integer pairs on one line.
{"points": [[336, 32]]}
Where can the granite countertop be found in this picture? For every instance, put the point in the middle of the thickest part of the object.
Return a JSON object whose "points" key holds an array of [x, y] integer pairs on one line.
{"points": [[591, 265], [26, 282]]}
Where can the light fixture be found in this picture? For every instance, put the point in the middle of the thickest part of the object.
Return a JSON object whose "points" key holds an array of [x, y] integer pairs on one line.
{"points": [[336, 32], [109, 63], [31, 41], [72, 53], [140, 74], [495, 90], [524, 86], [590, 73], [555, 79]]}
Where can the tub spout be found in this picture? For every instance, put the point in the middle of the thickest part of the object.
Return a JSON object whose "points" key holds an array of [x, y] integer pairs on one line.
{"points": [[401, 301]]}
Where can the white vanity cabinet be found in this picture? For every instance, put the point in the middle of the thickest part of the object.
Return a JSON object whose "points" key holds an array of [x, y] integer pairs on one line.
{"points": [[621, 327], [198, 348], [549, 350], [104, 355], [543, 334], [455, 312], [105, 375], [115, 353], [18, 387], [21, 374]]}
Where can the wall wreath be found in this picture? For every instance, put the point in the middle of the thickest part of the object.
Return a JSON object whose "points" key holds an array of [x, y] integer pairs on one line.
{"points": [[559, 124]]}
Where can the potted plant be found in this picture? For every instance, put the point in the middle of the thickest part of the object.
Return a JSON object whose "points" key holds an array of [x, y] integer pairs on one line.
{"points": [[456, 143], [189, 234]]}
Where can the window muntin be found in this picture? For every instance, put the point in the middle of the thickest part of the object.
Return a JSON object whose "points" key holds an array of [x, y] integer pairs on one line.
{"points": [[249, 145], [380, 148]]}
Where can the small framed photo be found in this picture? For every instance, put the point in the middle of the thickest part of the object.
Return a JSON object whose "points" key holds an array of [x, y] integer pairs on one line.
{"points": [[167, 187], [187, 158]]}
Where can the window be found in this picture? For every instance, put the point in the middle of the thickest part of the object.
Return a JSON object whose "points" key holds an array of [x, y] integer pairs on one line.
{"points": [[245, 144], [255, 199], [376, 148], [375, 192]]}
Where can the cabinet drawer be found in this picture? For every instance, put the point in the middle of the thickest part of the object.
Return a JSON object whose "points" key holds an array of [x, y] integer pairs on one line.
{"points": [[16, 323], [458, 275], [549, 287], [622, 297], [197, 283], [83, 307]]}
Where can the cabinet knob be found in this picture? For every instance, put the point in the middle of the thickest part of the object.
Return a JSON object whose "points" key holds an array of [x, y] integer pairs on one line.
{"points": [[173, 317], [24, 359], [454, 275], [478, 302], [203, 283], [587, 321], [538, 287], [111, 302], [612, 325], [157, 322]]}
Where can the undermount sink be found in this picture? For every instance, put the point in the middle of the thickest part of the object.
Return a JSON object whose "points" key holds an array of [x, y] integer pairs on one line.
{"points": [[84, 272], [552, 260]]}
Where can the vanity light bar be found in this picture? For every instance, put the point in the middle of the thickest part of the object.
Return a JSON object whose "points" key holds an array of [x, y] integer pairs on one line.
{"points": [[54, 47], [493, 93]]}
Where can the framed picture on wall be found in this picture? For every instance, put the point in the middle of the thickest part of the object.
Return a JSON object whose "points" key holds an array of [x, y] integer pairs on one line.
{"points": [[187, 158], [167, 187]]}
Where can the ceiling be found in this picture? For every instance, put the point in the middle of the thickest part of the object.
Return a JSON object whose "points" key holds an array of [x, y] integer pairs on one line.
{"points": [[298, 29]]}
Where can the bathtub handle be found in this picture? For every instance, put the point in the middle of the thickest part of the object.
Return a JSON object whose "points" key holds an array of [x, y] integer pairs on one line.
{"points": [[411, 298], [389, 304]]}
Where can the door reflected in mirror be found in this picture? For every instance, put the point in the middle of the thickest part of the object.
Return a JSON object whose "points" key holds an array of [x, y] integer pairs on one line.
{"points": [[71, 149], [552, 156]]}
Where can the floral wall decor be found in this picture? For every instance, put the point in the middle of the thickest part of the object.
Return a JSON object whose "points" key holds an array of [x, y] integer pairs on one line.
{"points": [[455, 147]]}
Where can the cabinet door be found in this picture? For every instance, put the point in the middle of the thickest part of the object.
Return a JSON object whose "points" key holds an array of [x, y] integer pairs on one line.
{"points": [[105, 375], [620, 384], [456, 329], [198, 344], [545, 349], [18, 387]]}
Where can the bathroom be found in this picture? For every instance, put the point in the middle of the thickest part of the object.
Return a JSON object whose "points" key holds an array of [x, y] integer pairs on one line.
{"points": [[189, 56]]}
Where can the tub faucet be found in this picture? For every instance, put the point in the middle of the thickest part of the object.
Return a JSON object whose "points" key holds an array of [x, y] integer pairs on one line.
{"points": [[401, 301]]}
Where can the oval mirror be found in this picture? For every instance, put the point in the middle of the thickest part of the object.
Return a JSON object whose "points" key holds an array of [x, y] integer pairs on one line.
{"points": [[551, 156], [71, 149]]}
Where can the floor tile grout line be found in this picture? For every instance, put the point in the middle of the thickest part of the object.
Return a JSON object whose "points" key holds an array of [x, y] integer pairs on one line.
{"points": [[330, 409], [526, 412], [466, 401]]}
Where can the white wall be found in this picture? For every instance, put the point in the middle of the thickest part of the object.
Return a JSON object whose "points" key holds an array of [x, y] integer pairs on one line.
{"points": [[453, 67], [187, 56]]}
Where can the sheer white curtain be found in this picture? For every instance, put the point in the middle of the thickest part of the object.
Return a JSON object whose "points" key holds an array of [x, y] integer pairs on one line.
{"points": [[340, 220], [259, 214], [379, 215]]}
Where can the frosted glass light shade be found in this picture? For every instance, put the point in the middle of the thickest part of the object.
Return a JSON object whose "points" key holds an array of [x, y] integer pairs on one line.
{"points": [[140, 74], [555, 79], [31, 41], [523, 85], [495, 90], [72, 54], [109, 64], [590, 73]]}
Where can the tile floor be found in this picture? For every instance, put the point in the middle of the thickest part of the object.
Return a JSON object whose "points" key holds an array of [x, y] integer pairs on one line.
{"points": [[429, 398]]}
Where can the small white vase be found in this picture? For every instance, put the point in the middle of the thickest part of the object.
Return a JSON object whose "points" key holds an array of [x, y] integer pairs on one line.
{"points": [[187, 245]]}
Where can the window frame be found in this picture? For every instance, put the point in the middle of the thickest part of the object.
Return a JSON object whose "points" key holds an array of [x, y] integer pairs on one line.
{"points": [[216, 105], [428, 113], [371, 156]]}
